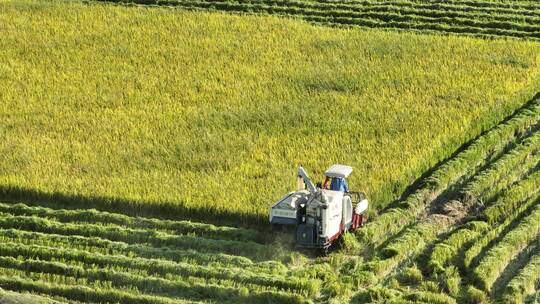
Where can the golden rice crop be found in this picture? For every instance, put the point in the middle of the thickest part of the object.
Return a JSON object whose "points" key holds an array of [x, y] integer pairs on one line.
{"points": [[214, 112]]}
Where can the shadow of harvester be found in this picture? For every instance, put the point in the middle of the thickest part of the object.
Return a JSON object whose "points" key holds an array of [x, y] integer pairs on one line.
{"points": [[162, 210]]}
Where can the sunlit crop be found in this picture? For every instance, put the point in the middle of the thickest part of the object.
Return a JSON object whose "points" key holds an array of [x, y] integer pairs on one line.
{"points": [[197, 112], [140, 149]]}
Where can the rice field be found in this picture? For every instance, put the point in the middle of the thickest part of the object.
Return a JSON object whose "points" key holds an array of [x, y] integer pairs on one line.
{"points": [[452, 245], [142, 146], [182, 114]]}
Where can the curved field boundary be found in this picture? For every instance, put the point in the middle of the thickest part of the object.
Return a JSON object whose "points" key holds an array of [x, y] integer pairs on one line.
{"points": [[477, 210], [462, 166]]}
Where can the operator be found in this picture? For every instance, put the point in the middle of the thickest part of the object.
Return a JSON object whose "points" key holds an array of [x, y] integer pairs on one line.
{"points": [[339, 184]]}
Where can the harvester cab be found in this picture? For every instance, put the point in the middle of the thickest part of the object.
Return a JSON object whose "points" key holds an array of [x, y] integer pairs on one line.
{"points": [[321, 213]]}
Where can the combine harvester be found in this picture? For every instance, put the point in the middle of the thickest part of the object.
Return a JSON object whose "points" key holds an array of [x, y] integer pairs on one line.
{"points": [[321, 214]]}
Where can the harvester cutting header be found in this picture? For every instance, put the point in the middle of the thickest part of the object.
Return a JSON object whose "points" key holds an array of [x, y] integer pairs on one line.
{"points": [[321, 213]]}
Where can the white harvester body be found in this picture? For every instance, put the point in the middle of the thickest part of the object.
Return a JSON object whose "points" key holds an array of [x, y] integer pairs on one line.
{"points": [[321, 213]]}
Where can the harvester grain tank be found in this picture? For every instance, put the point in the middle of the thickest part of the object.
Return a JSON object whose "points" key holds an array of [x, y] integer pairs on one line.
{"points": [[321, 213]]}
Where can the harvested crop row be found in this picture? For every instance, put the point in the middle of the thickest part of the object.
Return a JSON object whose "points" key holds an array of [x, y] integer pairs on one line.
{"points": [[482, 188], [526, 16], [516, 16], [160, 267], [444, 253], [347, 9], [16, 280], [474, 6], [520, 199], [379, 20], [530, 4], [494, 261], [104, 246], [495, 178], [506, 206], [498, 9], [94, 216], [462, 165], [523, 284], [410, 243], [438, 21], [414, 236], [476, 234], [22, 297], [179, 287], [386, 295], [527, 167], [123, 278], [514, 266], [135, 236]]}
